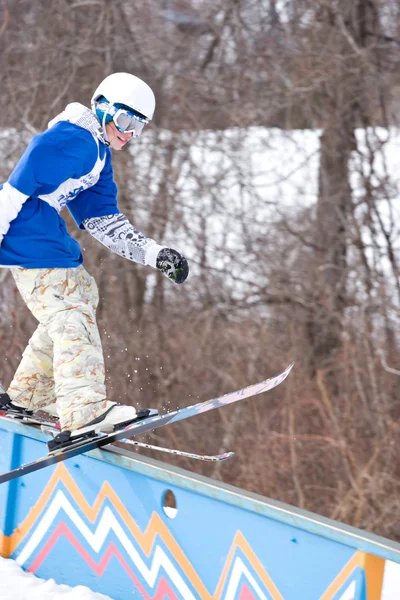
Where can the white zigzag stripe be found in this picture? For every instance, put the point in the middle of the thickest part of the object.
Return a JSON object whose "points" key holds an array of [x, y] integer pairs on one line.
{"points": [[350, 592], [239, 569], [96, 540]]}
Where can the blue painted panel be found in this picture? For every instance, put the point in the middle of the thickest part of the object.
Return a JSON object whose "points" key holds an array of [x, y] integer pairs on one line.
{"points": [[204, 530], [6, 449], [104, 520]]}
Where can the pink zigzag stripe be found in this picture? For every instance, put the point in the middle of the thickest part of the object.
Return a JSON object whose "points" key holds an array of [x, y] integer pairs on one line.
{"points": [[163, 591], [245, 593]]}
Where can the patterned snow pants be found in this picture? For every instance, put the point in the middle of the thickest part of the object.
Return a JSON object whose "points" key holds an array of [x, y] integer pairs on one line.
{"points": [[63, 362]]}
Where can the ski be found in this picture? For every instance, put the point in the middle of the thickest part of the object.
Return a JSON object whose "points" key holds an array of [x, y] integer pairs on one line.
{"points": [[31, 419], [205, 457], [23, 415], [148, 424], [51, 428]]}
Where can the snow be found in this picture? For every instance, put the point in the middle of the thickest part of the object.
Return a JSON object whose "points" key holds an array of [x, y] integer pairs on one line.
{"points": [[16, 584], [391, 581]]}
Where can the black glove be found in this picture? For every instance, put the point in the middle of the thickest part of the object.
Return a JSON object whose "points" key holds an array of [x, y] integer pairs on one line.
{"points": [[173, 265]]}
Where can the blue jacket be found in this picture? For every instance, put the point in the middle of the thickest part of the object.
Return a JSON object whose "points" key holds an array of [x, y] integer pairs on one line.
{"points": [[66, 166]]}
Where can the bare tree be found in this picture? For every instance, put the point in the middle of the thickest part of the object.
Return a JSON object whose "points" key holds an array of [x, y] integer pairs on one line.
{"points": [[268, 164]]}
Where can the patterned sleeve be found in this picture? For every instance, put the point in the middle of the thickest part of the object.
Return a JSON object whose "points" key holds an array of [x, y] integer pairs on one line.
{"points": [[118, 235]]}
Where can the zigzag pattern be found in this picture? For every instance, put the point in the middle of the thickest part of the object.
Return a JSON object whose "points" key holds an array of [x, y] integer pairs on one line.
{"points": [[152, 556]]}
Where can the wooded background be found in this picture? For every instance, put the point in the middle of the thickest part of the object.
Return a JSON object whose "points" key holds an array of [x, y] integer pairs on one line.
{"points": [[273, 279]]}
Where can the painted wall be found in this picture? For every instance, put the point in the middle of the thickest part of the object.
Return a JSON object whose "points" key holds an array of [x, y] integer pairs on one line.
{"points": [[98, 520]]}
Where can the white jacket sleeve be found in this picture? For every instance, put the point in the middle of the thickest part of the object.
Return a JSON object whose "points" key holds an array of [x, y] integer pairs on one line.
{"points": [[118, 235], [11, 201]]}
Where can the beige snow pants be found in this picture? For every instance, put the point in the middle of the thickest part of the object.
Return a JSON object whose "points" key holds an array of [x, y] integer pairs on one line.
{"points": [[63, 361]]}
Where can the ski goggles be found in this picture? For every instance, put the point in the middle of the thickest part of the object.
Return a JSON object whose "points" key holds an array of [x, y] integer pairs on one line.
{"points": [[126, 121]]}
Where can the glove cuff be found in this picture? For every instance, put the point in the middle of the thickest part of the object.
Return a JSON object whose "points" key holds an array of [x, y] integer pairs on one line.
{"points": [[151, 255]]}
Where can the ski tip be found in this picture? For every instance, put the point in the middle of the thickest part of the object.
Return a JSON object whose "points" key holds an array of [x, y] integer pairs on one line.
{"points": [[226, 455], [215, 457], [286, 372]]}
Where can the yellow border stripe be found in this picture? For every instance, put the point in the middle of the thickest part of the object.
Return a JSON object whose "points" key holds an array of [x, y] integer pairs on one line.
{"points": [[374, 570]]}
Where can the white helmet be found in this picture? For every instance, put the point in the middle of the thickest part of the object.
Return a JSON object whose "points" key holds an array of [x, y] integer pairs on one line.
{"points": [[127, 89]]}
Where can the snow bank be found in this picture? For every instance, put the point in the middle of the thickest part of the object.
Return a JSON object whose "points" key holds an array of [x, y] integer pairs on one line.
{"points": [[16, 584]]}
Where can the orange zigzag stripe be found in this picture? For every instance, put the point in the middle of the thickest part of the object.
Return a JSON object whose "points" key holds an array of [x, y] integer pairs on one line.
{"points": [[146, 540], [357, 560], [373, 567]]}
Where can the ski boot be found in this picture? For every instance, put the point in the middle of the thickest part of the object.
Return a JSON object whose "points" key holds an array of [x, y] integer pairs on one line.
{"points": [[116, 417], [10, 409], [20, 413]]}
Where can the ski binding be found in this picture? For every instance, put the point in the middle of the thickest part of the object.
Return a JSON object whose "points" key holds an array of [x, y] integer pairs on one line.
{"points": [[141, 426]]}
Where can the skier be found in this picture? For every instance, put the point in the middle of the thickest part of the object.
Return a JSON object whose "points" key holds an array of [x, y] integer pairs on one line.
{"points": [[69, 165]]}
